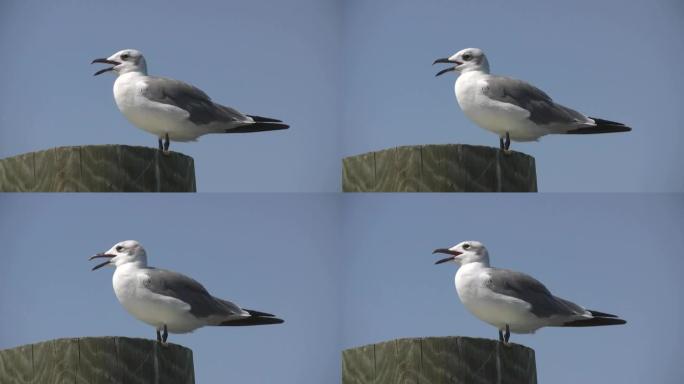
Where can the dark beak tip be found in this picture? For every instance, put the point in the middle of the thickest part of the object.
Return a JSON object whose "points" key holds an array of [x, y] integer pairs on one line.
{"points": [[444, 260]]}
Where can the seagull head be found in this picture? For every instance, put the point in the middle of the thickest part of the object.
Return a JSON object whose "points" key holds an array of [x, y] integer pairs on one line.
{"points": [[464, 253], [127, 60], [129, 251], [465, 60]]}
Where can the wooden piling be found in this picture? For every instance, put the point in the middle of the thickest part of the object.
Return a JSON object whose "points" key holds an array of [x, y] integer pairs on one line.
{"points": [[438, 360], [97, 360], [439, 168], [98, 168]]}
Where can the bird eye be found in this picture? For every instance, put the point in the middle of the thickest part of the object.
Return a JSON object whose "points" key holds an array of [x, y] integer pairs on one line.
{"points": [[125, 56], [466, 246], [119, 248], [467, 57]]}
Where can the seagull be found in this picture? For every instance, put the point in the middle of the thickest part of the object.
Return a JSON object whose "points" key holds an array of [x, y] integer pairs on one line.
{"points": [[513, 109], [513, 301], [171, 109], [167, 300]]}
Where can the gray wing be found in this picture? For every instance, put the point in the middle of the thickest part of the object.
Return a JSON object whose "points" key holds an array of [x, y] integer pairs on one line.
{"points": [[191, 99], [202, 304], [524, 95], [530, 290]]}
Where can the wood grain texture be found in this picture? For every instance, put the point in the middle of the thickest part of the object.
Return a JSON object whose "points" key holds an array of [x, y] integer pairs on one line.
{"points": [[103, 170], [58, 169], [358, 173], [386, 363], [55, 361], [358, 365], [386, 170], [96, 360], [17, 173], [175, 362], [98, 168], [439, 168], [408, 361], [438, 360], [16, 365]]}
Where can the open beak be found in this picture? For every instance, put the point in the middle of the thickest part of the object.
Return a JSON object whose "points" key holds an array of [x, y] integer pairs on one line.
{"points": [[101, 256], [445, 60], [105, 61], [453, 254]]}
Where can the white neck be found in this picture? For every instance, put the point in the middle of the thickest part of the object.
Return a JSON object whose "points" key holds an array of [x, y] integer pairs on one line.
{"points": [[129, 74], [473, 265], [467, 273], [131, 265], [482, 69]]}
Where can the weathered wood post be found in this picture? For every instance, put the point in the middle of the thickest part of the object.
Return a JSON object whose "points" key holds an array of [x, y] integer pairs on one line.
{"points": [[439, 168], [98, 168], [437, 360], [95, 360]]}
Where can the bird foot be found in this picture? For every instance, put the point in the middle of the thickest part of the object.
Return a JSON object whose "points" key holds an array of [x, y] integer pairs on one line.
{"points": [[505, 335], [167, 143], [162, 334]]}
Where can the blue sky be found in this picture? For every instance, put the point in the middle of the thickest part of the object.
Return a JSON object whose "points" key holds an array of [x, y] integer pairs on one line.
{"points": [[619, 254], [350, 77], [265, 252], [345, 271]]}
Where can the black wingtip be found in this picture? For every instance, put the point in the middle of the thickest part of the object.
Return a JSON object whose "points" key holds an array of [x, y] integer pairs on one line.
{"points": [[255, 318], [600, 314], [258, 313], [602, 126], [252, 320], [258, 127], [595, 322]]}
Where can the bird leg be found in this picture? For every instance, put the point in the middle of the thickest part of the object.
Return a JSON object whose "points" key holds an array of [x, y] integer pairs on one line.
{"points": [[161, 146], [507, 142], [166, 143], [162, 336], [501, 143], [501, 338], [507, 335]]}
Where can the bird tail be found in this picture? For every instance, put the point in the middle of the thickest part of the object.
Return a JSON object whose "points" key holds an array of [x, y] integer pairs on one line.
{"points": [[260, 124], [255, 318], [599, 318], [602, 126]]}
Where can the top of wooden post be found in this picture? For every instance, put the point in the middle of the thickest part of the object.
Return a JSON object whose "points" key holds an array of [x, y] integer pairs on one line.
{"points": [[439, 168], [96, 360], [439, 360], [98, 168]]}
